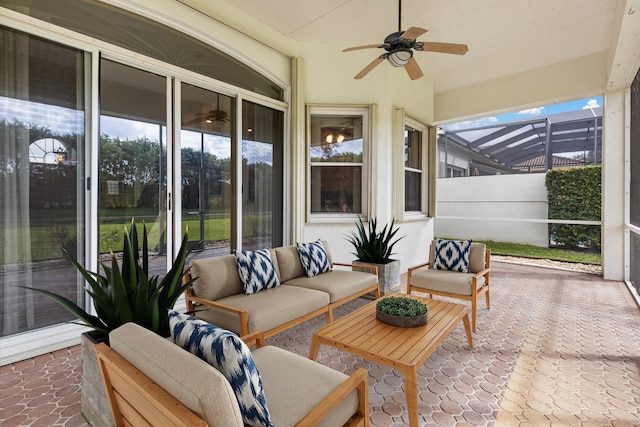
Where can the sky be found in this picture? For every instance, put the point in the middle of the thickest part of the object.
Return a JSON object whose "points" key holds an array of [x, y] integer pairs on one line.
{"points": [[528, 113]]}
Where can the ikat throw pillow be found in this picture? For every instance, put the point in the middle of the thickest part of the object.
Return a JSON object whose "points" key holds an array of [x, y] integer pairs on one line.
{"points": [[226, 352], [452, 255], [313, 258], [256, 270]]}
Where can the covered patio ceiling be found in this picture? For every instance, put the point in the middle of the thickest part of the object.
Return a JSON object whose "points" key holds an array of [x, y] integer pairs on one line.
{"points": [[505, 37], [513, 143]]}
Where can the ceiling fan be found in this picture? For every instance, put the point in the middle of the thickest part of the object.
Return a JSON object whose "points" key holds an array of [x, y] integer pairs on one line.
{"points": [[399, 47], [216, 118]]}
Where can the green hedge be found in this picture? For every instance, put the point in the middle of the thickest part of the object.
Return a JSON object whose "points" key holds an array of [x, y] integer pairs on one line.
{"points": [[575, 194]]}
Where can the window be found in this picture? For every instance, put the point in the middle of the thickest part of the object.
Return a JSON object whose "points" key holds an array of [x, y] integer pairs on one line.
{"points": [[410, 165], [412, 169], [337, 147]]}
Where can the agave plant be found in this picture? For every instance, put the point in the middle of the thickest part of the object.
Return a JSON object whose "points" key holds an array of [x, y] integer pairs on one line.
{"points": [[372, 245], [127, 294]]}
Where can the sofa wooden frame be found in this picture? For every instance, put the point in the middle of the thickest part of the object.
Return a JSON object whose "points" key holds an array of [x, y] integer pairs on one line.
{"points": [[243, 315]]}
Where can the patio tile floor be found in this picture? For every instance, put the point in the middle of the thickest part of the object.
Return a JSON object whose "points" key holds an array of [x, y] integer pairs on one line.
{"points": [[556, 348]]}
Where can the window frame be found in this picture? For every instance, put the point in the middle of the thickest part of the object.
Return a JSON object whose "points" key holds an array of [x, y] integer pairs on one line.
{"points": [[338, 110], [401, 122]]}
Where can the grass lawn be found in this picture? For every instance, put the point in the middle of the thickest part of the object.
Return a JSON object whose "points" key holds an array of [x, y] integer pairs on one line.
{"points": [[530, 251]]}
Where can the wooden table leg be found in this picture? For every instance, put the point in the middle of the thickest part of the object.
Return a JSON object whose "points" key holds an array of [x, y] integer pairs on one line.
{"points": [[313, 349], [411, 391], [467, 327]]}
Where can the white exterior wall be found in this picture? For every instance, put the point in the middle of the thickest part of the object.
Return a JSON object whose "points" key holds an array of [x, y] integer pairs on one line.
{"points": [[496, 207], [328, 79]]}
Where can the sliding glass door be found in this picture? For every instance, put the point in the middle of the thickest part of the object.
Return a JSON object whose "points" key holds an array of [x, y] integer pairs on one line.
{"points": [[133, 158], [262, 141], [42, 153], [207, 141]]}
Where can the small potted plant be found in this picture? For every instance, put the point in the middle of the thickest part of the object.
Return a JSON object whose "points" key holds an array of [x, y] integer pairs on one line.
{"points": [[375, 247], [401, 311]]}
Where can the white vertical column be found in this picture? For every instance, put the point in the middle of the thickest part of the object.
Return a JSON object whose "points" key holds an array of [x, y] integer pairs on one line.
{"points": [[615, 134]]}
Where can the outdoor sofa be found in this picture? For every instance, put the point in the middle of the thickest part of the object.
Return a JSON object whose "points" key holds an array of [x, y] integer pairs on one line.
{"points": [[218, 296]]}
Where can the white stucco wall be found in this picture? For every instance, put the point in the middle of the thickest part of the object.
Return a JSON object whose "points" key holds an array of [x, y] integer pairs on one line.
{"points": [[497, 207]]}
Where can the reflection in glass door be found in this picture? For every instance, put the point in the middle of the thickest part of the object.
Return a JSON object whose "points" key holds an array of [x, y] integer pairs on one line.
{"points": [[133, 179], [42, 154], [262, 153], [208, 121]]}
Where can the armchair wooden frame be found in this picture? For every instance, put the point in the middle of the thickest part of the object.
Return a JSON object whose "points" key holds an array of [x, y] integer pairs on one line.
{"points": [[475, 292]]}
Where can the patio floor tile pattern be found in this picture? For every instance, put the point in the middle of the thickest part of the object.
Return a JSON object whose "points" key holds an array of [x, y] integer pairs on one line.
{"points": [[557, 348]]}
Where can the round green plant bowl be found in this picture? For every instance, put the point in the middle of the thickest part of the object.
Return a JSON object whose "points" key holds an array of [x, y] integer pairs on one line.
{"points": [[405, 307], [402, 321]]}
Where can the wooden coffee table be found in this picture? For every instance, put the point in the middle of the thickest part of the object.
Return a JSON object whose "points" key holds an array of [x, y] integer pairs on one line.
{"points": [[405, 349]]}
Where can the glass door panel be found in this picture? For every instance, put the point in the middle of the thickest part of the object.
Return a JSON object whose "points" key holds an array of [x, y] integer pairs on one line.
{"points": [[208, 121], [133, 156], [262, 152], [42, 140]]}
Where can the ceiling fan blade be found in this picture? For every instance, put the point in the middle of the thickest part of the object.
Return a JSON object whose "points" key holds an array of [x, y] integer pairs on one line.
{"points": [[192, 122], [413, 33], [369, 46], [458, 49], [369, 67], [413, 69]]}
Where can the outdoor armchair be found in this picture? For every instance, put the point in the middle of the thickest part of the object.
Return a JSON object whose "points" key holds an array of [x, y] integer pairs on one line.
{"points": [[433, 278]]}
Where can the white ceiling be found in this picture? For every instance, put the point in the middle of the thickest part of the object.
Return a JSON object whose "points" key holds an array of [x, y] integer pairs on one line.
{"points": [[504, 36]]}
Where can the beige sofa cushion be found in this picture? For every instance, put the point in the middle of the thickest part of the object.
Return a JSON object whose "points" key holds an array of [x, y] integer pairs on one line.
{"points": [[289, 263], [477, 254], [193, 382], [267, 309], [338, 284], [216, 277], [294, 385], [445, 281]]}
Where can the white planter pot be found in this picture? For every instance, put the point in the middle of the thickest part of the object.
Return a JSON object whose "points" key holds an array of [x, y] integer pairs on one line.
{"points": [[94, 404]]}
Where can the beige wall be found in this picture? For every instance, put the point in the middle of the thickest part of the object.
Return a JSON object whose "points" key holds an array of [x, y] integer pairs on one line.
{"points": [[326, 78]]}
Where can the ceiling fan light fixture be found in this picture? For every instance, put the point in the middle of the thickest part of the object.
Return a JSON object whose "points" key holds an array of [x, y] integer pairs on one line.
{"points": [[329, 138], [400, 58]]}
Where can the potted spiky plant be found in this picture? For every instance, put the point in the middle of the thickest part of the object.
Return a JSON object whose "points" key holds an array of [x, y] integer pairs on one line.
{"points": [[373, 247], [122, 294]]}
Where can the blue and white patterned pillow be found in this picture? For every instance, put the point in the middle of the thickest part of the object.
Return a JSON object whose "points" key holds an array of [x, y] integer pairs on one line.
{"points": [[313, 258], [452, 255], [256, 270], [226, 352]]}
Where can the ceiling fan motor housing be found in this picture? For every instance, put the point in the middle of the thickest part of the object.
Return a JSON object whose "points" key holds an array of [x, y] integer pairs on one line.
{"points": [[395, 42]]}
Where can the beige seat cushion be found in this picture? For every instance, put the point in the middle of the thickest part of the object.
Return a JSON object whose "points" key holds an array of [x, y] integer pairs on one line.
{"points": [[294, 385], [445, 281], [338, 284], [267, 309], [193, 382]]}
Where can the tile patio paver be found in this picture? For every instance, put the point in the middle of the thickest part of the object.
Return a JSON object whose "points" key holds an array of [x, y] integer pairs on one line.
{"points": [[556, 348]]}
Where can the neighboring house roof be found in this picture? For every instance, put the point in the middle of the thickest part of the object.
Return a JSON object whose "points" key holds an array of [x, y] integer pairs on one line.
{"points": [[538, 163], [513, 143]]}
